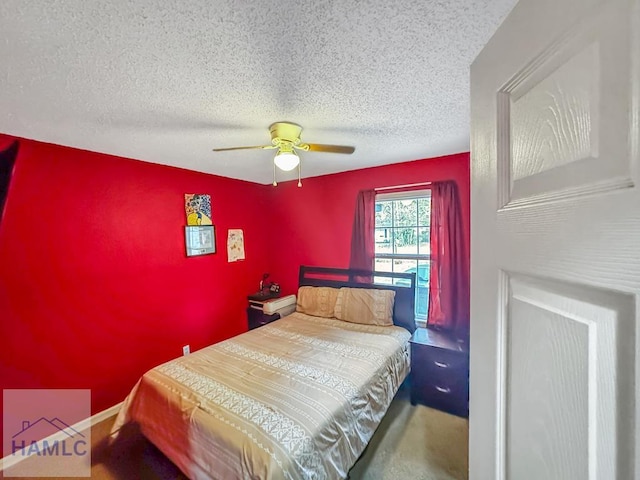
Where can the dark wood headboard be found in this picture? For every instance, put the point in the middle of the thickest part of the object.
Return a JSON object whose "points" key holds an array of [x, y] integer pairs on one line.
{"points": [[404, 284]]}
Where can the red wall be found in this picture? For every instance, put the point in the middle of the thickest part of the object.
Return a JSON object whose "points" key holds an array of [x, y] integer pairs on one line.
{"points": [[95, 287], [312, 225]]}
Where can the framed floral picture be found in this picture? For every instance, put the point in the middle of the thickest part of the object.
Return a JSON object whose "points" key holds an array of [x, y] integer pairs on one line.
{"points": [[200, 240], [197, 206]]}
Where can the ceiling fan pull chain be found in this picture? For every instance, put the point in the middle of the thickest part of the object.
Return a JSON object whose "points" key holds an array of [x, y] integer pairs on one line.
{"points": [[299, 182], [275, 184]]}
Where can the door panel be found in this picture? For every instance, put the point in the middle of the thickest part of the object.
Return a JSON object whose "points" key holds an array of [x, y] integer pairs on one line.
{"points": [[562, 404], [548, 394], [554, 121], [555, 115], [555, 243]]}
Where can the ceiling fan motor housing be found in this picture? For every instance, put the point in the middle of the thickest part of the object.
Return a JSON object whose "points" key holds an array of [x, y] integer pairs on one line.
{"points": [[285, 134]]}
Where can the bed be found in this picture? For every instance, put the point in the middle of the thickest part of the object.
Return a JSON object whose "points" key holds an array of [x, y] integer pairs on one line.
{"points": [[298, 398]]}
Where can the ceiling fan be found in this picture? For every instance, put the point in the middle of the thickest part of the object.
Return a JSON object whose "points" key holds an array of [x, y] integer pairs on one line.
{"points": [[285, 136]]}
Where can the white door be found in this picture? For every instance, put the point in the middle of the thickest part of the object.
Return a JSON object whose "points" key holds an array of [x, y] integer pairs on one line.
{"points": [[555, 257]]}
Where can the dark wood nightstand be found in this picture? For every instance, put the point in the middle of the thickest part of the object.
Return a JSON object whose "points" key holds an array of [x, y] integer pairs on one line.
{"points": [[263, 310], [439, 372], [257, 319]]}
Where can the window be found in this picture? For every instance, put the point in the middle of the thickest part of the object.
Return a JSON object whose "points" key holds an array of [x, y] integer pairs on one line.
{"points": [[402, 239]]}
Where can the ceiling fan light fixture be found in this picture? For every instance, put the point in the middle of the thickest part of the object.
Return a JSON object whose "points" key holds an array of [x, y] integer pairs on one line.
{"points": [[285, 137], [286, 160]]}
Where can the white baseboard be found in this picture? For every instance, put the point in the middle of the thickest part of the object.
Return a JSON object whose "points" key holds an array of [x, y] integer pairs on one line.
{"points": [[81, 426], [103, 415]]}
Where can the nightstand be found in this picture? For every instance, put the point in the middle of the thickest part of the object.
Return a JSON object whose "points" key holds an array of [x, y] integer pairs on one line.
{"points": [[263, 311], [255, 311], [439, 372], [257, 318]]}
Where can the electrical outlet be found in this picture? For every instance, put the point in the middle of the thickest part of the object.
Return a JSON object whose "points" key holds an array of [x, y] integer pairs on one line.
{"points": [[186, 350]]}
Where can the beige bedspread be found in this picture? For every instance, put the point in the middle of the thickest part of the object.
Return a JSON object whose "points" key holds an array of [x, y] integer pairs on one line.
{"points": [[296, 399]]}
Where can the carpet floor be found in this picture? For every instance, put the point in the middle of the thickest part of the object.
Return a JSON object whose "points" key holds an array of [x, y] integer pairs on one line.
{"points": [[412, 442]]}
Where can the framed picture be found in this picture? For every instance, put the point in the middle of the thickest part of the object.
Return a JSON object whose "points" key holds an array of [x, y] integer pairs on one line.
{"points": [[200, 240]]}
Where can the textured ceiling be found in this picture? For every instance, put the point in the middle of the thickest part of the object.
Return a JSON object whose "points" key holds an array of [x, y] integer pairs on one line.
{"points": [[166, 81]]}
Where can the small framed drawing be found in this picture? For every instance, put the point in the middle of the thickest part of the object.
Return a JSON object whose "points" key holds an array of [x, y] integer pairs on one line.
{"points": [[200, 240]]}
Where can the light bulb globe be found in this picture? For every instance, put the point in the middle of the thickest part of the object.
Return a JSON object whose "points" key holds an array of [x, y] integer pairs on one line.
{"points": [[286, 161]]}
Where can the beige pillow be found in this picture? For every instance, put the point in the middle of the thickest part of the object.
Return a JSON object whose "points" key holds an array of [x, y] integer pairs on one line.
{"points": [[317, 301], [369, 306]]}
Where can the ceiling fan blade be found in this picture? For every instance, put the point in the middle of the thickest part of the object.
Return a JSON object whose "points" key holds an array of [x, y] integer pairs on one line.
{"points": [[316, 147], [263, 147]]}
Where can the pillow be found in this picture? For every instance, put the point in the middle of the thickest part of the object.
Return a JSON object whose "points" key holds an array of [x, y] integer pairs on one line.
{"points": [[369, 306], [317, 301]]}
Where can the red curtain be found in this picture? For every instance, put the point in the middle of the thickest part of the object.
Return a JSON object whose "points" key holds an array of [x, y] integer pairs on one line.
{"points": [[449, 273], [7, 161], [362, 239]]}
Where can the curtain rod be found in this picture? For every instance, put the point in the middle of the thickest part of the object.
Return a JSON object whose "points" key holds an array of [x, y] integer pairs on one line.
{"points": [[409, 185]]}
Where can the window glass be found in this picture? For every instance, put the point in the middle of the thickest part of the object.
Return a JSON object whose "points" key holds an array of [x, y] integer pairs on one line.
{"points": [[424, 245], [383, 265], [406, 241], [405, 213], [383, 214], [424, 211], [384, 240], [402, 243]]}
